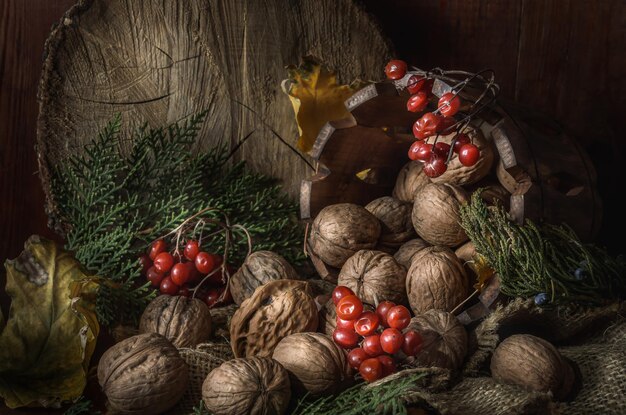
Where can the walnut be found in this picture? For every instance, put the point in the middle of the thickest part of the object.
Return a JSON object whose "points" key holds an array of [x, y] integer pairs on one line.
{"points": [[255, 385], [275, 310], [444, 339], [184, 321], [436, 280], [258, 268], [404, 255], [532, 363], [410, 180], [339, 231], [395, 218], [466, 251], [436, 216], [495, 194], [374, 276], [328, 318], [314, 362], [143, 374], [459, 174]]}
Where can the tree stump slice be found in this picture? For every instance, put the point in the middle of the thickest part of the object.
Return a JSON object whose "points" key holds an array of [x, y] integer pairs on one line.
{"points": [[158, 62]]}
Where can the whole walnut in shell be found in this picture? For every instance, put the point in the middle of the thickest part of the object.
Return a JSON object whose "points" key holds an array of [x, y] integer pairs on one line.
{"points": [[316, 364], [374, 276], [328, 318], [143, 374], [184, 321], [340, 230], [255, 386], [275, 310], [436, 280], [444, 339], [457, 173], [409, 181], [436, 216], [395, 218], [258, 268], [533, 363], [404, 255]]}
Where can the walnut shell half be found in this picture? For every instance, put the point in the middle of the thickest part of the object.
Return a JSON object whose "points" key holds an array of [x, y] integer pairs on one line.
{"points": [[275, 310], [444, 339], [255, 386], [395, 218], [316, 364], [436, 216], [340, 230], [258, 268], [143, 374], [184, 321], [374, 276]]}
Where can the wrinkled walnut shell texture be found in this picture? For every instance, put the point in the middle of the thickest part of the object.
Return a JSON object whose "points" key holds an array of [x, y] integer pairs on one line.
{"points": [[255, 386], [404, 255], [444, 339], [436, 216], [395, 218], [143, 374], [436, 280], [410, 180], [184, 321], [340, 230], [374, 276], [259, 268], [316, 364], [275, 310]]}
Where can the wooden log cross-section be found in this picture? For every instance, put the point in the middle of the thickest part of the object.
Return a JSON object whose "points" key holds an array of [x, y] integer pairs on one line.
{"points": [[158, 62]]}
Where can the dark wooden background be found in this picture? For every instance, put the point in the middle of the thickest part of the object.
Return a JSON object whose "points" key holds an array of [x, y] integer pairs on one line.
{"points": [[563, 57]]}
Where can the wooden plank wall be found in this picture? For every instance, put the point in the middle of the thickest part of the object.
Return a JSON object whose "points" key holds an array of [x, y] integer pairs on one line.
{"points": [[564, 57]]}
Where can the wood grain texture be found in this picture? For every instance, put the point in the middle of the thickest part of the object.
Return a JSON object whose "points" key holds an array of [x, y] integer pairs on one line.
{"points": [[159, 62]]}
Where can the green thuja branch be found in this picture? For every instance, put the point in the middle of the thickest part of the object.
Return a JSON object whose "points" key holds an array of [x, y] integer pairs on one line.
{"points": [[531, 259], [115, 203]]}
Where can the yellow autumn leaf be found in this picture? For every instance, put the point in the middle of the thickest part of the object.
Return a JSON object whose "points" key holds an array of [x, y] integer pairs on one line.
{"points": [[48, 339], [316, 98], [482, 270]]}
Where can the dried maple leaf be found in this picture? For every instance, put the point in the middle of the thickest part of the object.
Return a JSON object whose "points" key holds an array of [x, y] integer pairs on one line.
{"points": [[316, 98], [48, 339]]}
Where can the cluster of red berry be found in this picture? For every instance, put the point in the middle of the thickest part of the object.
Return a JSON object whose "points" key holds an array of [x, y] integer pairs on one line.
{"points": [[379, 333], [441, 121], [174, 274]]}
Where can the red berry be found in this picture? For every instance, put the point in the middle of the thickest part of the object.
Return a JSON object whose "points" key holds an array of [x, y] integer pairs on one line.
{"points": [[391, 340], [367, 323], [435, 166], [460, 140], [191, 250], [345, 338], [349, 307], [395, 69], [156, 248], [145, 262], [469, 155], [389, 366], [356, 357], [212, 297], [442, 149], [449, 104], [382, 310], [371, 345], [205, 262], [168, 286], [180, 273], [424, 152], [154, 276], [194, 274], [345, 324], [428, 86], [339, 292], [417, 102], [414, 149], [184, 291], [399, 317], [426, 126], [371, 370], [446, 125], [163, 262], [412, 343], [415, 83]]}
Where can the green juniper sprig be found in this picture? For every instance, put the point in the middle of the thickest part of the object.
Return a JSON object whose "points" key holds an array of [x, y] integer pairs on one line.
{"points": [[531, 259]]}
